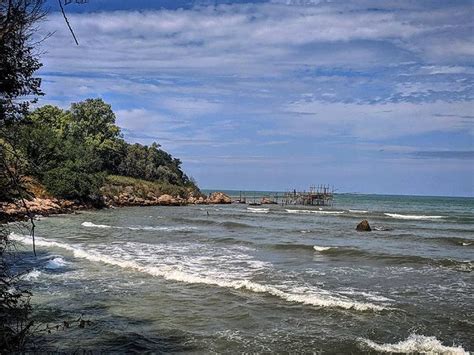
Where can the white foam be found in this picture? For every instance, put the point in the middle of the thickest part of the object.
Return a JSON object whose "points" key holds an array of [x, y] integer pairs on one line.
{"points": [[135, 228], [92, 225], [258, 210], [358, 211], [466, 244], [416, 344], [55, 263], [32, 275], [315, 211], [415, 217], [318, 248], [173, 273], [368, 295], [161, 228]]}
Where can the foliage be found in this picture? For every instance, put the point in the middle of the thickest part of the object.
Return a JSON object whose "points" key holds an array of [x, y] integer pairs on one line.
{"points": [[18, 62], [70, 151], [15, 305], [116, 184], [152, 163]]}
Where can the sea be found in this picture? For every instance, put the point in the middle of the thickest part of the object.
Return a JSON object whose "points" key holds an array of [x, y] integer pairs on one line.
{"points": [[236, 278]]}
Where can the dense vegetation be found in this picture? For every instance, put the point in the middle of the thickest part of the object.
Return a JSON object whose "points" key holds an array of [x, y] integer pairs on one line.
{"points": [[18, 87], [72, 151]]}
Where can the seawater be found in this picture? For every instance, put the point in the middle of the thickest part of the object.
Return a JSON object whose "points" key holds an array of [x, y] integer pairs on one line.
{"points": [[237, 278]]}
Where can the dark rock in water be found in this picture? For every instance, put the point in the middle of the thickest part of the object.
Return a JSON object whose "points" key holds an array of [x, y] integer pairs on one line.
{"points": [[363, 226]]}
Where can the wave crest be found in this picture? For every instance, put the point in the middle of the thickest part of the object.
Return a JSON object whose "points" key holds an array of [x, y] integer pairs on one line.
{"points": [[307, 298], [414, 217], [415, 344]]}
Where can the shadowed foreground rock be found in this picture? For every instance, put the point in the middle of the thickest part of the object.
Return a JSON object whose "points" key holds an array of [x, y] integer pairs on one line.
{"points": [[363, 226]]}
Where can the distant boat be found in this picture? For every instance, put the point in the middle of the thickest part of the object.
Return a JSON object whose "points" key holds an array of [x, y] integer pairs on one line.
{"points": [[255, 204]]}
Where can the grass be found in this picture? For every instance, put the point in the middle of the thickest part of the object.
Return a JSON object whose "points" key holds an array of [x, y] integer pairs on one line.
{"points": [[116, 184]]}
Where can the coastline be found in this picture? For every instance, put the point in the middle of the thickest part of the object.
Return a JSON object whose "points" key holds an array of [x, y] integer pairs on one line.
{"points": [[15, 211]]}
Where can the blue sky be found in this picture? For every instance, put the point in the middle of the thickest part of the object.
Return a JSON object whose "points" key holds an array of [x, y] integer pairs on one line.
{"points": [[369, 96]]}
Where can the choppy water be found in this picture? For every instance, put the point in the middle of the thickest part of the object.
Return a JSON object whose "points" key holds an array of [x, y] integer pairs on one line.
{"points": [[235, 278]]}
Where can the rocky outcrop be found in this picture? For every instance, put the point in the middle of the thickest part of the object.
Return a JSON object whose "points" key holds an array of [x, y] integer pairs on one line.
{"points": [[219, 198], [37, 206], [168, 200], [196, 200], [48, 206], [363, 226], [267, 201]]}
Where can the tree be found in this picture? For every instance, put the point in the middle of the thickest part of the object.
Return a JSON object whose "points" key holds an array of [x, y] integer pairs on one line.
{"points": [[18, 61], [93, 122]]}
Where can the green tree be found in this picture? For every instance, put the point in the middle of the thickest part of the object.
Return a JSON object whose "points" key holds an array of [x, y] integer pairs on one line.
{"points": [[93, 122], [18, 60]]}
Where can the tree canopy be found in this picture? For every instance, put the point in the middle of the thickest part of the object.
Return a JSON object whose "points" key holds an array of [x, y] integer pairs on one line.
{"points": [[71, 151]]}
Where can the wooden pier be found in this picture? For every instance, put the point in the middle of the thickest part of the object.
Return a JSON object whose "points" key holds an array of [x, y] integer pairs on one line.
{"points": [[320, 195]]}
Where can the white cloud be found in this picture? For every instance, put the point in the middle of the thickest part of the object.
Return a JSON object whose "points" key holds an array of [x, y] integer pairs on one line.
{"points": [[373, 121], [231, 38]]}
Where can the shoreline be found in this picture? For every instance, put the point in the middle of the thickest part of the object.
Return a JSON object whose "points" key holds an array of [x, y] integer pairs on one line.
{"points": [[15, 211]]}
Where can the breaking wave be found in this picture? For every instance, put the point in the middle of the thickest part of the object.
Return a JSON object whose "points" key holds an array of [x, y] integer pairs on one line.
{"points": [[55, 263], [415, 344], [314, 211], [173, 274], [32, 275], [258, 210], [414, 217], [138, 228], [92, 225], [358, 211], [458, 265], [318, 248]]}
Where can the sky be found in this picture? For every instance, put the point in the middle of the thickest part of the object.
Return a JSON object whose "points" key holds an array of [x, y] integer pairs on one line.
{"points": [[367, 96]]}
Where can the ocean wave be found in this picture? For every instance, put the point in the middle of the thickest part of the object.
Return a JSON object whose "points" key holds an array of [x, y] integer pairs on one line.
{"points": [[318, 248], [230, 224], [415, 344], [413, 217], [458, 265], [382, 228], [55, 263], [452, 241], [32, 275], [368, 295], [162, 228], [314, 211], [358, 211], [258, 210], [291, 246], [307, 298], [92, 225], [144, 228]]}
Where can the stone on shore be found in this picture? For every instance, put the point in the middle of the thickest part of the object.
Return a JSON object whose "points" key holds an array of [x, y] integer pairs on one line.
{"points": [[167, 200], [363, 226], [219, 198]]}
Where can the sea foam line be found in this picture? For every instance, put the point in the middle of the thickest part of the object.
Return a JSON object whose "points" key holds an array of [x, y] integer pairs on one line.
{"points": [[318, 248], [180, 276], [136, 228], [315, 211], [358, 211], [258, 210], [416, 344], [408, 216]]}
